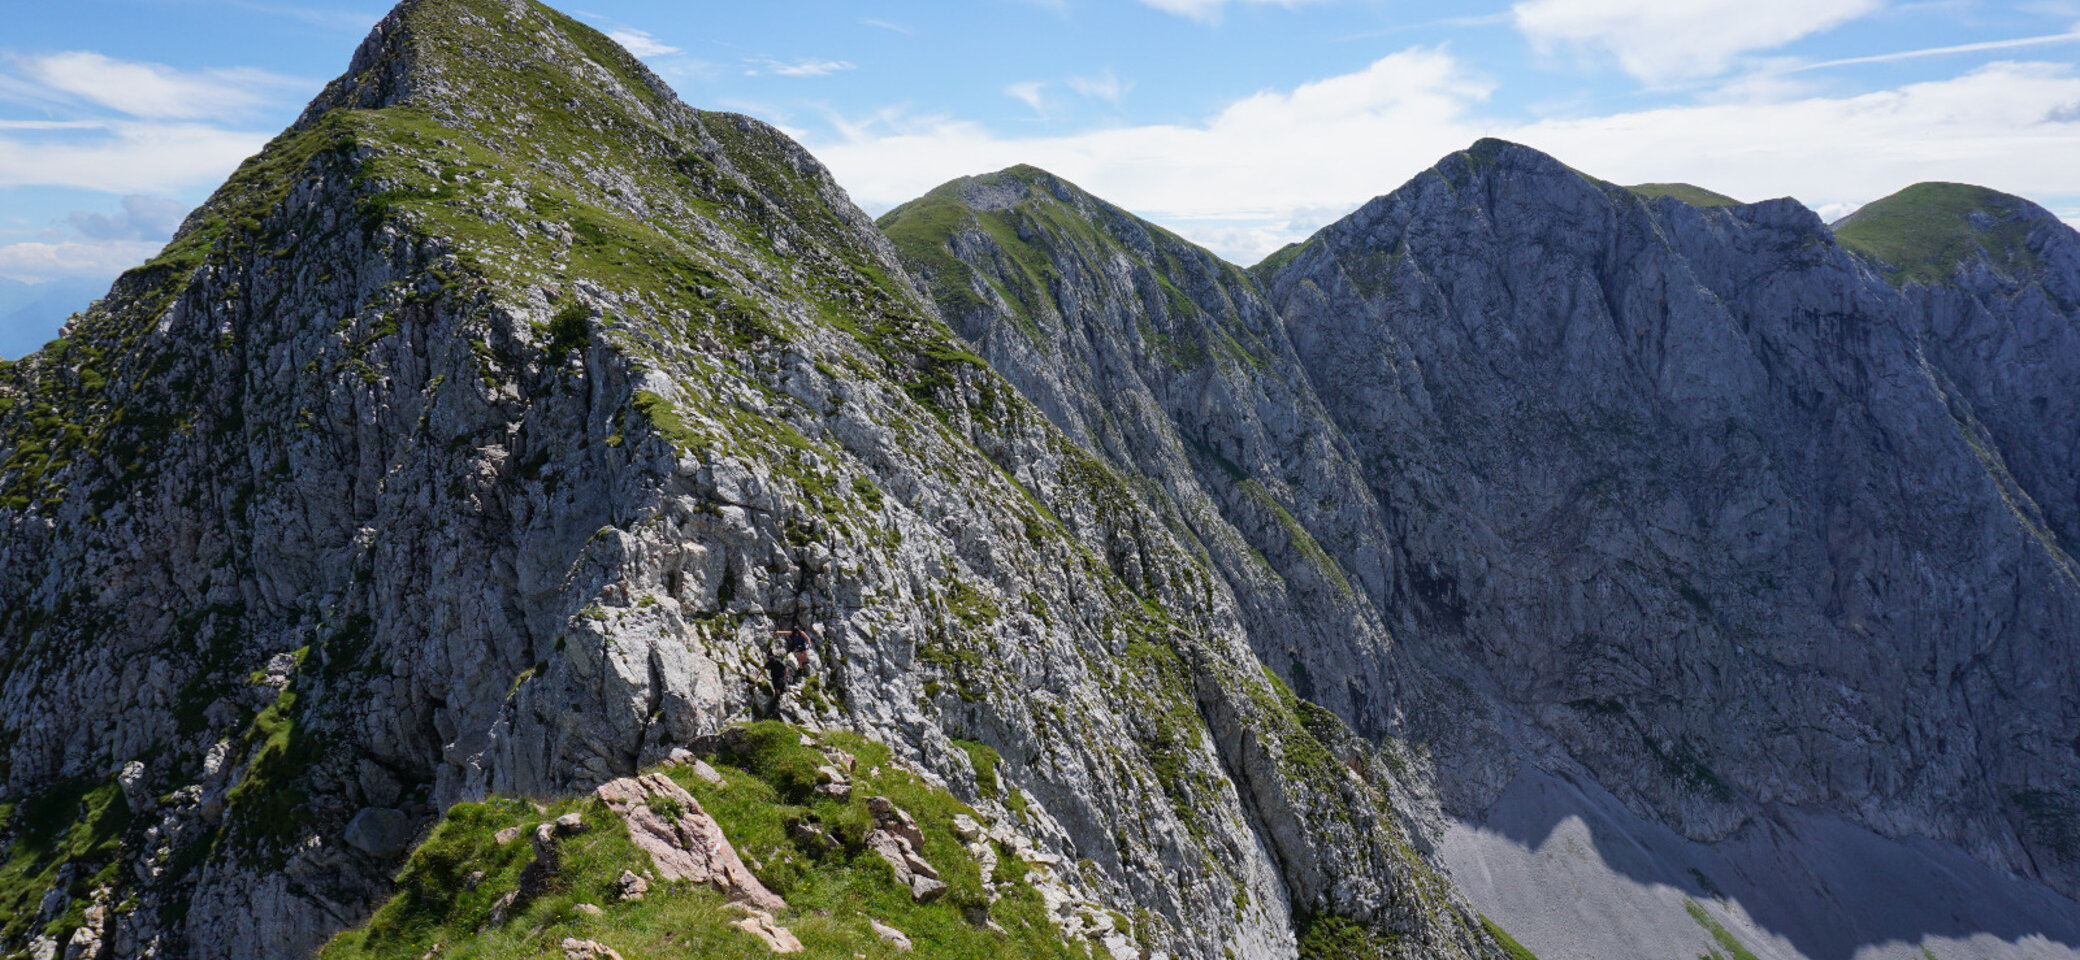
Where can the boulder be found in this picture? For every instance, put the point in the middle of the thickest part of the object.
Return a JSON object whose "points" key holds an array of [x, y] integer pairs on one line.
{"points": [[682, 839]]}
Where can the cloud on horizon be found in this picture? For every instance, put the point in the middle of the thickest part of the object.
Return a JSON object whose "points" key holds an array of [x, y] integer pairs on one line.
{"points": [[1659, 42], [1262, 171]]}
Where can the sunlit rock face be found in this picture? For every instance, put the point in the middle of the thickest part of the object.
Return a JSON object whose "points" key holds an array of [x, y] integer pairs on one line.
{"points": [[477, 437]]}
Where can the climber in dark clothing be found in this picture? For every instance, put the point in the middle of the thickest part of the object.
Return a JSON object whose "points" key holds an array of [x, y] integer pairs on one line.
{"points": [[798, 647]]}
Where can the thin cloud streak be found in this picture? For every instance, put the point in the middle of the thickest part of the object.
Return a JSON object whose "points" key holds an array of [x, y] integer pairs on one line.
{"points": [[2070, 37], [801, 68]]}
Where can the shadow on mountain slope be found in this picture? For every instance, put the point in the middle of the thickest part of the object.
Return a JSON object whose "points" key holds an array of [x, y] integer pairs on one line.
{"points": [[1571, 873]]}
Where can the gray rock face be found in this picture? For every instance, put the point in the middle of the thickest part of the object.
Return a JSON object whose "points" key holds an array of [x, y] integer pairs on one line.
{"points": [[1709, 508], [1170, 365], [478, 436], [1528, 469]]}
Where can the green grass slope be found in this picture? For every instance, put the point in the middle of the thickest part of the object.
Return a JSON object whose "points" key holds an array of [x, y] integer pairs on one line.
{"points": [[1691, 194], [446, 893], [1924, 233]]}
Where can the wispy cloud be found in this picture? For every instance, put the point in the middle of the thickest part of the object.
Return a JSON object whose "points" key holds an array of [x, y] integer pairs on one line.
{"points": [[126, 157], [1103, 85], [799, 68], [152, 91], [1482, 20], [2067, 37], [888, 25], [641, 43], [51, 125], [1210, 10], [1662, 42], [1028, 92], [141, 218]]}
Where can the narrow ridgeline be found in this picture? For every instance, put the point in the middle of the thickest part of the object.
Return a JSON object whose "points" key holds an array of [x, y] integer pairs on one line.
{"points": [[473, 442]]}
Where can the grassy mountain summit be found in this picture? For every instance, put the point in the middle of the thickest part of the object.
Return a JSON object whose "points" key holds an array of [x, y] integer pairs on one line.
{"points": [[1923, 233], [1693, 195]]}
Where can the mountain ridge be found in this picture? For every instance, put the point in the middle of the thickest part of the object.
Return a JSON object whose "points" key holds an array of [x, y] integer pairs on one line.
{"points": [[475, 439], [489, 423]]}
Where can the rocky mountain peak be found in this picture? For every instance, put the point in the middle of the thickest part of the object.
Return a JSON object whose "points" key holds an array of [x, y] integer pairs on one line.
{"points": [[463, 58]]}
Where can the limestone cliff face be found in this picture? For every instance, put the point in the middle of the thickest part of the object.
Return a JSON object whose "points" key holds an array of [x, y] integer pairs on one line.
{"points": [[476, 437], [1170, 364], [1709, 507]]}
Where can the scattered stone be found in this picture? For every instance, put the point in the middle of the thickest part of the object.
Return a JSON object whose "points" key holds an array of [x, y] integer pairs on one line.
{"points": [[630, 886], [503, 907], [777, 938], [894, 819], [966, 828], [896, 938], [135, 794], [832, 782], [811, 836], [506, 836], [897, 839], [708, 773], [589, 909], [576, 949], [570, 825], [380, 832], [689, 846], [924, 889], [85, 942]]}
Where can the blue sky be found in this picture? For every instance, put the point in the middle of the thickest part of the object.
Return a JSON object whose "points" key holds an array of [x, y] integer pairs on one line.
{"points": [[1241, 124]]}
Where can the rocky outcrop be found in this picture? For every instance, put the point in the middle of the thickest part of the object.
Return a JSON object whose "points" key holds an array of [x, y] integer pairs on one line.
{"points": [[683, 842], [477, 437]]}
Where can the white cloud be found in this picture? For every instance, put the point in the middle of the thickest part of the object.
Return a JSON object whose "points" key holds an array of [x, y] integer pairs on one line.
{"points": [[151, 91], [1270, 168], [641, 43], [1028, 93], [1660, 41], [1991, 126], [126, 157], [888, 25], [38, 262], [1103, 85], [801, 68], [1209, 10], [1248, 168]]}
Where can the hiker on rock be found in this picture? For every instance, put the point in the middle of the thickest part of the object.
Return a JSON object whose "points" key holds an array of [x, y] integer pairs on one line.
{"points": [[797, 647]]}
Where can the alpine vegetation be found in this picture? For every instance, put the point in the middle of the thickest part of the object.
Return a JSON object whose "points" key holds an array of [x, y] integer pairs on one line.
{"points": [[522, 515]]}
